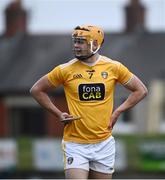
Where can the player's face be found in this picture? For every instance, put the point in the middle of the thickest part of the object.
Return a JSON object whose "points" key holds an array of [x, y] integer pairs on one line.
{"points": [[81, 48]]}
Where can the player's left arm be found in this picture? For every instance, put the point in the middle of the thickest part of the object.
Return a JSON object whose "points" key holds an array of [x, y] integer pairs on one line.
{"points": [[138, 92]]}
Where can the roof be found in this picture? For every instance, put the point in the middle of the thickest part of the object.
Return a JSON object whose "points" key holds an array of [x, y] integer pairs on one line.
{"points": [[25, 58]]}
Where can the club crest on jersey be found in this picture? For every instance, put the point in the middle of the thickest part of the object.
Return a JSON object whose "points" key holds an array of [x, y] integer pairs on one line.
{"points": [[90, 92], [70, 160], [104, 74]]}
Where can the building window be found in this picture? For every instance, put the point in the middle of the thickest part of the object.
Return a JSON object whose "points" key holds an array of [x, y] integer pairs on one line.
{"points": [[126, 116], [163, 109], [125, 123], [162, 120], [27, 121]]}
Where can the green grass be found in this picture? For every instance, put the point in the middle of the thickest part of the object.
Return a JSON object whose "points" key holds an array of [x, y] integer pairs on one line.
{"points": [[24, 153]]}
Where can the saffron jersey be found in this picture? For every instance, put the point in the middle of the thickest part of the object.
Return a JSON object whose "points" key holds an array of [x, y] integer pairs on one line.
{"points": [[89, 91]]}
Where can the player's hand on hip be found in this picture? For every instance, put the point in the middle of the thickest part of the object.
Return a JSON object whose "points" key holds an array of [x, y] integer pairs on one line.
{"points": [[113, 120], [65, 116]]}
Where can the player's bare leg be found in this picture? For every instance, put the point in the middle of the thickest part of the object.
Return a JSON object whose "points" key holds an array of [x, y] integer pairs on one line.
{"points": [[99, 175], [76, 173]]}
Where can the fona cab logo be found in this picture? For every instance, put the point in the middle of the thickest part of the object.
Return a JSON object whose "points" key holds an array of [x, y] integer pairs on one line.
{"points": [[89, 92]]}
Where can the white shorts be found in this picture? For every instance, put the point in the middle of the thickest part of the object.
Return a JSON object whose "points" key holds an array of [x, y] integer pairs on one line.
{"points": [[99, 157]]}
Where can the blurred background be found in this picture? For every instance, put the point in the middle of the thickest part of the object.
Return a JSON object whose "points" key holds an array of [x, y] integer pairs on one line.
{"points": [[35, 36]]}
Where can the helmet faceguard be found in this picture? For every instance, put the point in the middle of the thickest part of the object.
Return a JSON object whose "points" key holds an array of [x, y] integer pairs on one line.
{"points": [[91, 34]]}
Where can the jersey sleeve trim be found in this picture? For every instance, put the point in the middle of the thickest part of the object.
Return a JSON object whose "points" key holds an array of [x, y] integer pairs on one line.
{"points": [[128, 80]]}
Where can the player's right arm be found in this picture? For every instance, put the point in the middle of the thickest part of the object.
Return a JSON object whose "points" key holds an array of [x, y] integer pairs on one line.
{"points": [[40, 93]]}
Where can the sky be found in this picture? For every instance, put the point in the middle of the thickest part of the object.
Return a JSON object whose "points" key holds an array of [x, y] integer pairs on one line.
{"points": [[61, 16]]}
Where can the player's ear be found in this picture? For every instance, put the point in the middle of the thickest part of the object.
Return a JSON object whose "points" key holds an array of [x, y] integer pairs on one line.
{"points": [[95, 44]]}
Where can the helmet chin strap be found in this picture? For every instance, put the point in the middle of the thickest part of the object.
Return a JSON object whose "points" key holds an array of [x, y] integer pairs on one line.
{"points": [[94, 52], [83, 58]]}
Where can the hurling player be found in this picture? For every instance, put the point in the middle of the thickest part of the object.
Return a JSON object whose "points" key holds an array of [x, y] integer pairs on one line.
{"points": [[89, 82]]}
